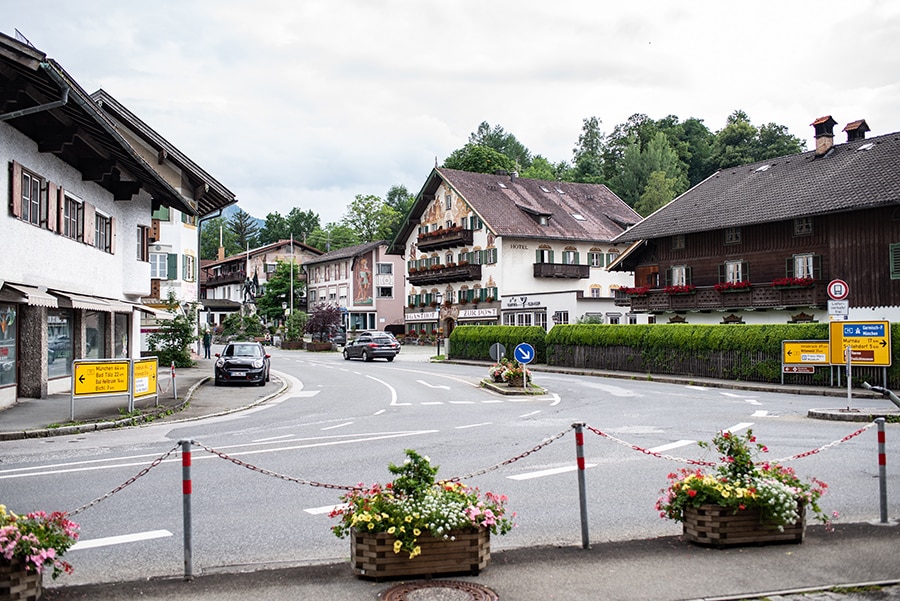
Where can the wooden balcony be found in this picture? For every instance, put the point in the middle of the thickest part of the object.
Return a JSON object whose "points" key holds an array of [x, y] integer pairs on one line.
{"points": [[439, 239], [707, 298], [233, 277], [458, 273], [561, 270]]}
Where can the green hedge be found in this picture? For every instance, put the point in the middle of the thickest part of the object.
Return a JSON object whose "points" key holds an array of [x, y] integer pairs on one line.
{"points": [[474, 342]]}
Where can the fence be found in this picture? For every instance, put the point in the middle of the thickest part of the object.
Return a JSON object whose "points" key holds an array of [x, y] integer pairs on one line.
{"points": [[185, 447]]}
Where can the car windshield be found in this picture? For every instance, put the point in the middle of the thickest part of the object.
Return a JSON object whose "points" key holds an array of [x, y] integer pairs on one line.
{"points": [[243, 350]]}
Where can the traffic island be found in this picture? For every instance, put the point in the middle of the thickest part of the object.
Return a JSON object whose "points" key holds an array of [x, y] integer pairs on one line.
{"points": [[506, 389]]}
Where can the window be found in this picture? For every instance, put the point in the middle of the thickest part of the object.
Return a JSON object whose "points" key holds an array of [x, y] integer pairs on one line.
{"points": [[895, 261], [570, 257], [143, 243], [102, 232], [490, 256], [73, 219], [804, 266], [448, 203], [524, 319], [611, 256], [614, 318], [561, 317], [159, 266], [732, 235], [188, 219], [475, 223], [385, 269], [595, 259], [448, 258], [543, 255], [596, 291], [34, 199], [384, 291], [188, 268], [678, 275], [8, 345], [803, 226], [734, 271], [678, 242]]}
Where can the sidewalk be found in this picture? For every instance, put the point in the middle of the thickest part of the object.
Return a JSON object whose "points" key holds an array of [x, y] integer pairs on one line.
{"points": [[660, 569]]}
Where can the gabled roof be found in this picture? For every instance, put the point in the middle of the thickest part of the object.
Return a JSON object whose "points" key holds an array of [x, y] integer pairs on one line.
{"points": [[347, 252], [210, 195], [260, 250], [41, 100], [856, 175], [513, 206]]}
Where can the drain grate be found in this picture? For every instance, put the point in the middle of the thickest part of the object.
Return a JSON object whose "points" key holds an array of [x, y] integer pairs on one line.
{"points": [[439, 590]]}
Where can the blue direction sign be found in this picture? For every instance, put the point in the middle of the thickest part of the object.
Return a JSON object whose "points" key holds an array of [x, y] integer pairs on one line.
{"points": [[524, 353]]}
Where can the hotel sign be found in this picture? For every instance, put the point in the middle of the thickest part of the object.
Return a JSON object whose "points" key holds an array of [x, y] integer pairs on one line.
{"points": [[520, 302]]}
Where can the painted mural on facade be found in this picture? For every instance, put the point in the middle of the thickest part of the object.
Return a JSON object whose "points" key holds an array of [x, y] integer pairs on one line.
{"points": [[362, 280]]}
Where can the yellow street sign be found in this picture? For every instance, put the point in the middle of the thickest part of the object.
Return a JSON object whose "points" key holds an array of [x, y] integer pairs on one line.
{"points": [[100, 377], [145, 371], [869, 342], [804, 352]]}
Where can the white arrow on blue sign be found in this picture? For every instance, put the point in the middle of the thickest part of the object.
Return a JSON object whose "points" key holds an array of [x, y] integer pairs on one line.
{"points": [[524, 353]]}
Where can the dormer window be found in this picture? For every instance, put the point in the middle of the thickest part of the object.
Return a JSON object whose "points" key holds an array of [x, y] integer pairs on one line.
{"points": [[544, 219], [732, 235]]}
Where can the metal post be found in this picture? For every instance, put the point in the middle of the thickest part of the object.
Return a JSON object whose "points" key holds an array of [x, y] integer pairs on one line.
{"points": [[186, 490], [849, 379], [174, 388], [882, 471], [582, 489]]}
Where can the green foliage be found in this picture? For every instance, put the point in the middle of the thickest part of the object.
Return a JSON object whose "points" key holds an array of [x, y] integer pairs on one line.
{"points": [[278, 291], [503, 142], [739, 142], [478, 159], [240, 326], [474, 342], [296, 323], [210, 232], [333, 237], [171, 342], [245, 229], [370, 217]]}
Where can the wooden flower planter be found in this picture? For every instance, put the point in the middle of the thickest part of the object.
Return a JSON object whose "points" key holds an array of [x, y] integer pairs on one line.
{"points": [[717, 526], [372, 555], [16, 584]]}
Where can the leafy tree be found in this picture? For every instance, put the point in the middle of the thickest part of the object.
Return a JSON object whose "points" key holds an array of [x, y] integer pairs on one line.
{"points": [[296, 324], [302, 223], [325, 318], [171, 342], [210, 232], [588, 154], [503, 142], [638, 164], [541, 168], [399, 199], [278, 291], [736, 142], [479, 159], [241, 325], [775, 141], [274, 229], [332, 237], [660, 189], [245, 229], [370, 218]]}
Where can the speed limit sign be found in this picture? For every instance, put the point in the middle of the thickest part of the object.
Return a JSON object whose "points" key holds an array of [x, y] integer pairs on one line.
{"points": [[838, 289]]}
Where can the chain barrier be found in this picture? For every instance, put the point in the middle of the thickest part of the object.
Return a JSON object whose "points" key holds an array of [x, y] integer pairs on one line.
{"points": [[266, 472], [481, 472], [713, 463], [127, 483]]}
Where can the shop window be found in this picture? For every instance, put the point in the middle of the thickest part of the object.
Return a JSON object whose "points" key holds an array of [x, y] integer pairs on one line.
{"points": [[60, 342], [7, 345]]}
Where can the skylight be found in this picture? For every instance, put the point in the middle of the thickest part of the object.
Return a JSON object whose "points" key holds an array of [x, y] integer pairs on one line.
{"points": [[501, 184], [764, 168], [545, 189], [866, 146], [578, 217], [560, 191]]}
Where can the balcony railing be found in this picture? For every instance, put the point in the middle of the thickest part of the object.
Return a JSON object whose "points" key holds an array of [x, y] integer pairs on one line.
{"points": [[225, 278], [449, 238], [561, 270], [442, 275], [707, 298]]}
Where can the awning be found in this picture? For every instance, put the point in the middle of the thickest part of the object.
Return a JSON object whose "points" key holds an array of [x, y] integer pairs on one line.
{"points": [[157, 313], [91, 303], [33, 296]]}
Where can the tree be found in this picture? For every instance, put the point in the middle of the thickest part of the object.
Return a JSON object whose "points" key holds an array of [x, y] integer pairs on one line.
{"points": [[302, 223], [588, 154], [637, 165], [274, 229], [324, 320], [399, 199], [541, 168], [660, 189], [370, 218], [736, 142], [332, 237], [278, 291], [479, 159], [242, 325], [245, 229], [503, 142], [171, 342], [210, 234]]}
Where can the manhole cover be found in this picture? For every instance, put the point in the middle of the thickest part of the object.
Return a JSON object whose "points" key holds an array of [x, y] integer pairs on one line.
{"points": [[439, 590]]}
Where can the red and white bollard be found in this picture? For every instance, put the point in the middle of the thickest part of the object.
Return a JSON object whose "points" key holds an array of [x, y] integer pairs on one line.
{"points": [[582, 488], [186, 489]]}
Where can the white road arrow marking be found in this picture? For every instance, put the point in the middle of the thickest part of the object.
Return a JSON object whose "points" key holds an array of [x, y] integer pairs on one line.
{"points": [[423, 382]]}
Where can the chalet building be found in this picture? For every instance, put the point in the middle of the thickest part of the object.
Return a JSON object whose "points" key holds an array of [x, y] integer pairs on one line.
{"points": [[76, 258], [227, 283], [174, 236], [364, 281], [500, 249], [759, 243]]}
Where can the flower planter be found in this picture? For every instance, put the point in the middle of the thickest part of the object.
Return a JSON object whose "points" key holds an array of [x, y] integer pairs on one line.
{"points": [[516, 382], [316, 347], [16, 584], [717, 526], [372, 555]]}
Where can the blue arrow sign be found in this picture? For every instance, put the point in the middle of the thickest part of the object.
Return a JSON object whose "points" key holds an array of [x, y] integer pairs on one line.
{"points": [[524, 353]]}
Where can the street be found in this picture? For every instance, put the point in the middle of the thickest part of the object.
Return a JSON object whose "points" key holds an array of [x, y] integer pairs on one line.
{"points": [[342, 422]]}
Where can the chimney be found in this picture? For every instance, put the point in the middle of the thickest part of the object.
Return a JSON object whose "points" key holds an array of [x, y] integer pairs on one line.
{"points": [[513, 175], [857, 130], [824, 134]]}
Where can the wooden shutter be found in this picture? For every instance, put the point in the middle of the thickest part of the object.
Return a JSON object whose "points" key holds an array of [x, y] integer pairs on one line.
{"points": [[723, 272], [16, 181], [52, 207], [172, 266], [745, 271], [90, 223], [789, 267], [112, 235]]}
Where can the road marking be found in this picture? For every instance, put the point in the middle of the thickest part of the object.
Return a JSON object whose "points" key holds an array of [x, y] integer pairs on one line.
{"points": [[303, 394], [752, 401], [337, 426], [462, 402], [740, 426], [530, 414], [433, 403], [119, 540], [379, 412], [550, 472], [273, 438], [489, 402], [424, 383], [393, 391], [731, 394], [693, 387], [761, 413], [474, 425], [671, 445], [325, 509]]}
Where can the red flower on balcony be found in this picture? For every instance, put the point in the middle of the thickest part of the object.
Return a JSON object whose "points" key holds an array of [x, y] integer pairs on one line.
{"points": [[732, 286], [793, 282], [636, 291], [682, 289]]}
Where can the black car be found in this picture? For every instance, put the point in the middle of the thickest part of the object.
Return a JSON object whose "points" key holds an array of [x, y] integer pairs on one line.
{"points": [[368, 346], [242, 362]]}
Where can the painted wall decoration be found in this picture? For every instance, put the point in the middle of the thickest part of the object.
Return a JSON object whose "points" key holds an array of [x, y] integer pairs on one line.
{"points": [[362, 279]]}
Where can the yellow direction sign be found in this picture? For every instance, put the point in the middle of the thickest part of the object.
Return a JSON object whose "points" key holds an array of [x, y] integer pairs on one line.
{"points": [[145, 371], [869, 342], [100, 377], [804, 352]]}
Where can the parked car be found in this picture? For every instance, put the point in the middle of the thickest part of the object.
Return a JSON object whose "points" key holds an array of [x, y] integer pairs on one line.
{"points": [[372, 345], [242, 362]]}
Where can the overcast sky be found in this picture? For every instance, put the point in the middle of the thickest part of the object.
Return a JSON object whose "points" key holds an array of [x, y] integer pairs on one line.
{"points": [[307, 103]]}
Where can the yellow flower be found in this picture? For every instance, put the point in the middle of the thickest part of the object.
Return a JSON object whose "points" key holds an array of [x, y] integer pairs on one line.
{"points": [[408, 519], [371, 526], [397, 545], [391, 530], [416, 531]]}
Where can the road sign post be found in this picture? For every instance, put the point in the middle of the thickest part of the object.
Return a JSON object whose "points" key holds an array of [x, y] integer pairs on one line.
{"points": [[524, 354]]}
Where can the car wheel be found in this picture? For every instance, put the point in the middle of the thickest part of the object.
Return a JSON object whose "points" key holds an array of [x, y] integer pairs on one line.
{"points": [[366, 356], [391, 358], [218, 382], [346, 355]]}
